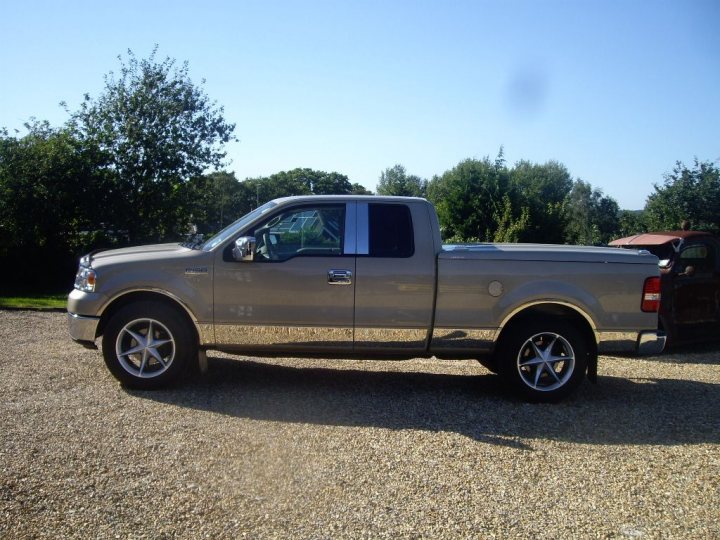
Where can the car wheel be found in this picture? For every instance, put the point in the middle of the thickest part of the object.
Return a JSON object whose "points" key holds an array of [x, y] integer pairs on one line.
{"points": [[543, 361], [148, 345]]}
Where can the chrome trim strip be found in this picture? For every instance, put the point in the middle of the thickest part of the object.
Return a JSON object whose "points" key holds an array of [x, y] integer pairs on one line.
{"points": [[558, 302], [390, 338], [455, 339], [283, 336], [350, 228], [363, 241], [82, 328]]}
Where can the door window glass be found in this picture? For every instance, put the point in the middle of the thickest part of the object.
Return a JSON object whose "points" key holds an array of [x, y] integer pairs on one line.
{"points": [[698, 256], [304, 231], [391, 231]]}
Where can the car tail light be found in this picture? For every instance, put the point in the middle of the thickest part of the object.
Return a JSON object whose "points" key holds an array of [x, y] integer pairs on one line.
{"points": [[651, 295]]}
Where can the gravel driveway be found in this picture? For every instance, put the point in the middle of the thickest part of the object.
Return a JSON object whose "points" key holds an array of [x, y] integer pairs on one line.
{"points": [[351, 449]]}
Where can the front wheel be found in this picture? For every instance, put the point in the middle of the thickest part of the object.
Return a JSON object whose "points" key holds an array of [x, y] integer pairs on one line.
{"points": [[543, 362], [147, 345]]}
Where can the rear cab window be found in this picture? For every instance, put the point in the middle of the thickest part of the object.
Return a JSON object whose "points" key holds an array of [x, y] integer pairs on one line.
{"points": [[390, 230]]}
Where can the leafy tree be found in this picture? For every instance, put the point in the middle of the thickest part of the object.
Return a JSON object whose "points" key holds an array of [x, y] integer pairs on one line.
{"points": [[215, 200], [396, 181], [359, 189], [300, 181], [509, 228], [631, 222], [592, 217], [51, 202], [543, 191], [691, 194], [470, 200], [331, 184], [154, 130], [51, 195]]}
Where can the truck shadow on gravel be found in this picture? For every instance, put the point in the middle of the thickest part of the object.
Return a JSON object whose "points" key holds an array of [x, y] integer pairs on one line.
{"points": [[615, 411], [700, 353]]}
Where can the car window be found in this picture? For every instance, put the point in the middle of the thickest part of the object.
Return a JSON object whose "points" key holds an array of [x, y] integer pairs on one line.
{"points": [[390, 231], [301, 231], [700, 256]]}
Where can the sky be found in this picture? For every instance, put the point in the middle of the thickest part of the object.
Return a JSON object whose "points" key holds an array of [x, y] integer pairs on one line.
{"points": [[617, 91]]}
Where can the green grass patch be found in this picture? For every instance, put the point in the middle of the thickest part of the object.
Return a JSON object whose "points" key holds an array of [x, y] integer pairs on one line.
{"points": [[41, 301]]}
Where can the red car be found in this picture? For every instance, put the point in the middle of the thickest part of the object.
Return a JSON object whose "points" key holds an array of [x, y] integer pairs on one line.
{"points": [[689, 282]]}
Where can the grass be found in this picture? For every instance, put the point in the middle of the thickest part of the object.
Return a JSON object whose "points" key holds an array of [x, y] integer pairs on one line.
{"points": [[40, 301]]}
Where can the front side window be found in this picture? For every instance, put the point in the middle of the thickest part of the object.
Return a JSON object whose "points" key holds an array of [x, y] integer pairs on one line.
{"points": [[301, 231]]}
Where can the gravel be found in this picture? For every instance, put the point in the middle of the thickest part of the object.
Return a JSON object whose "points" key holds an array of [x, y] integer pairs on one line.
{"points": [[276, 448]]}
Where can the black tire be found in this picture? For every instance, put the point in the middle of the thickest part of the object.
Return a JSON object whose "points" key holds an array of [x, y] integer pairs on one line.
{"points": [[148, 364], [542, 361]]}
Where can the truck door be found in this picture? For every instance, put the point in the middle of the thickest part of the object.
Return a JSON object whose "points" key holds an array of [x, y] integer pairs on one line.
{"points": [[395, 278], [696, 298], [297, 293]]}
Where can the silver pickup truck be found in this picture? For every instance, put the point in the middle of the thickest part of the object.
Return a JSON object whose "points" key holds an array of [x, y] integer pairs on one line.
{"points": [[352, 276]]}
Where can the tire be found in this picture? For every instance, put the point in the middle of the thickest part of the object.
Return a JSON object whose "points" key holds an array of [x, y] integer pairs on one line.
{"points": [[148, 364], [543, 361]]}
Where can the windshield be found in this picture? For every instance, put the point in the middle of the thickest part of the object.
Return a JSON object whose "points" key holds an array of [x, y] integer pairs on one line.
{"points": [[234, 227]]}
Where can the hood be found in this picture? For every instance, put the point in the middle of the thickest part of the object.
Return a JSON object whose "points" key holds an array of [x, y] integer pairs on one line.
{"points": [[139, 253]]}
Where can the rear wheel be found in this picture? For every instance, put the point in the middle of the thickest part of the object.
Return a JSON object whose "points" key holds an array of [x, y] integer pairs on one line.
{"points": [[543, 361], [147, 345]]}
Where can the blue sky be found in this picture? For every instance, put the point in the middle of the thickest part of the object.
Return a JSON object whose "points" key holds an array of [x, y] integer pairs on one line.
{"points": [[616, 91]]}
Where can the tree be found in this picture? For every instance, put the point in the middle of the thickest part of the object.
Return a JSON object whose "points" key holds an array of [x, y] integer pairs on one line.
{"points": [[331, 184], [215, 200], [686, 194], [359, 189], [300, 181], [51, 195], [631, 222], [543, 190], [592, 218], [470, 200], [510, 228], [396, 181], [51, 202], [154, 130]]}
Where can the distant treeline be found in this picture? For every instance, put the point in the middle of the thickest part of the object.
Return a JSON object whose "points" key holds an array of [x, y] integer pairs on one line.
{"points": [[129, 167]]}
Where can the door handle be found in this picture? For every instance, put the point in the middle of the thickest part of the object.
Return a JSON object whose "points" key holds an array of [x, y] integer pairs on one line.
{"points": [[339, 277]]}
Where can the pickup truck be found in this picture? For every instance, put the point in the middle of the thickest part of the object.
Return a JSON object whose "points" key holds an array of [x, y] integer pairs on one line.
{"points": [[354, 276], [689, 282]]}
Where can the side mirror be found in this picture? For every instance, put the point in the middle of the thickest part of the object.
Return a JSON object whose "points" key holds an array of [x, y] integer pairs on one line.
{"points": [[244, 249], [689, 271]]}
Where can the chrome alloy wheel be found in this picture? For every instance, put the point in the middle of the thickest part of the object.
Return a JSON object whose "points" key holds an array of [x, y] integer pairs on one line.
{"points": [[546, 361], [145, 348]]}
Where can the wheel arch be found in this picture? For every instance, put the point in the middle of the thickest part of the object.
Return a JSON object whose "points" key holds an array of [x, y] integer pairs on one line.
{"points": [[560, 311], [147, 295]]}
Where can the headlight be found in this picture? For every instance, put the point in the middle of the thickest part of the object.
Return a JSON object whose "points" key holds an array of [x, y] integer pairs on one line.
{"points": [[85, 279]]}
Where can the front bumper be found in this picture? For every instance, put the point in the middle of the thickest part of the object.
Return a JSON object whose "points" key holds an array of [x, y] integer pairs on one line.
{"points": [[82, 329], [647, 342]]}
